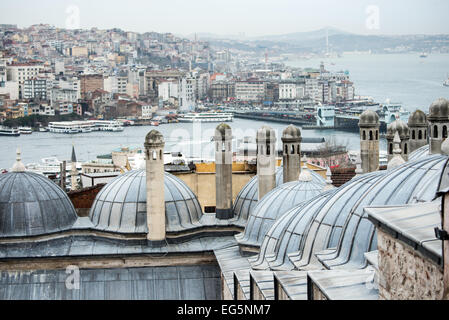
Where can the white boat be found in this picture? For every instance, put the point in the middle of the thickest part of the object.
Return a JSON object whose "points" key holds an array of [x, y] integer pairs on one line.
{"points": [[25, 130], [423, 55], [446, 82], [50, 166], [11, 132], [207, 117], [73, 127], [105, 125]]}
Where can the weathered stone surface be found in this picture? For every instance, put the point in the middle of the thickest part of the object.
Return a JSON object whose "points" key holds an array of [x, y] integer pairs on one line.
{"points": [[405, 274]]}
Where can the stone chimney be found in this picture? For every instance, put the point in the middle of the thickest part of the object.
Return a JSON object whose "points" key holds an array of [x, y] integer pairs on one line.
{"points": [[397, 158], [266, 160], [417, 124], [404, 135], [438, 124], [369, 141], [223, 171], [154, 156], [73, 171], [291, 154]]}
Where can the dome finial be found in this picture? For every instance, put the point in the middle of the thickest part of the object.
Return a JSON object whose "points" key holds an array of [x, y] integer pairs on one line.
{"points": [[329, 181], [305, 173], [358, 166], [397, 159], [18, 165]]}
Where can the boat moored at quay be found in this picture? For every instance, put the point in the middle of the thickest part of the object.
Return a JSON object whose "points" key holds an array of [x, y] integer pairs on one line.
{"points": [[207, 117], [10, 132], [74, 127]]}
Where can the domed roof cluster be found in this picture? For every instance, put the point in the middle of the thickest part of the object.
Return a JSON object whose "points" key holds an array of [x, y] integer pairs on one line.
{"points": [[31, 205], [274, 204], [121, 205], [369, 118], [417, 119], [332, 229], [401, 127], [248, 197], [439, 110]]}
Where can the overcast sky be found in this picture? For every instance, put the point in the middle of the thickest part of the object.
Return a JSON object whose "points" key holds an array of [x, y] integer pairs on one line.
{"points": [[251, 17]]}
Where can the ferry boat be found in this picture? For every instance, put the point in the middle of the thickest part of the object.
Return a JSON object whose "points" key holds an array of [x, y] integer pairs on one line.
{"points": [[11, 132], [25, 130], [105, 125], [207, 117], [50, 166], [73, 127]]}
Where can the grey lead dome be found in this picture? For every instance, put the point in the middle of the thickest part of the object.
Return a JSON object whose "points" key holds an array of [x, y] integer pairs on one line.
{"points": [[121, 205], [417, 119], [274, 204], [31, 205], [248, 197]]}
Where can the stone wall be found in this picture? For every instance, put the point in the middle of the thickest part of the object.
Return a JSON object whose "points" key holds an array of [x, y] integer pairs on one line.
{"points": [[404, 274], [83, 199]]}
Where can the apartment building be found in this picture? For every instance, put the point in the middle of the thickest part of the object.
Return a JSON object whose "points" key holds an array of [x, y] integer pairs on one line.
{"points": [[35, 88], [20, 72], [250, 90], [90, 83]]}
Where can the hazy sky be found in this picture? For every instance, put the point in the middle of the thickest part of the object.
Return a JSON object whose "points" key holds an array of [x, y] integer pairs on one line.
{"points": [[252, 17]]}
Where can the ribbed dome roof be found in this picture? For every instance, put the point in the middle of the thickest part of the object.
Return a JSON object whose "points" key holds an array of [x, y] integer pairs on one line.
{"points": [[274, 204], [369, 118], [248, 197], [439, 110], [31, 204], [336, 219], [417, 119], [419, 153], [401, 127], [121, 205]]}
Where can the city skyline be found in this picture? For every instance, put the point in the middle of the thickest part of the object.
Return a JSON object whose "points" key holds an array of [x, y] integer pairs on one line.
{"points": [[249, 18]]}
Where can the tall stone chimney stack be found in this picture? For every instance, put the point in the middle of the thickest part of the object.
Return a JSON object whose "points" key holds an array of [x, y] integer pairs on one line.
{"points": [[438, 124], [417, 123], [223, 171], [369, 141], [266, 160], [404, 135], [154, 156], [291, 150]]}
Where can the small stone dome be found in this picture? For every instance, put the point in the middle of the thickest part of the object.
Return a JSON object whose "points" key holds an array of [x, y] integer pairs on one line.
{"points": [[369, 118], [31, 205], [223, 131], [265, 133], [274, 204], [439, 110], [417, 119], [401, 127], [291, 133], [154, 136], [121, 205]]}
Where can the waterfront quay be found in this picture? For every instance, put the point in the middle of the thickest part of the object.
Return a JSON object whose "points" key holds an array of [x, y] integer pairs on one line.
{"points": [[341, 121]]}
